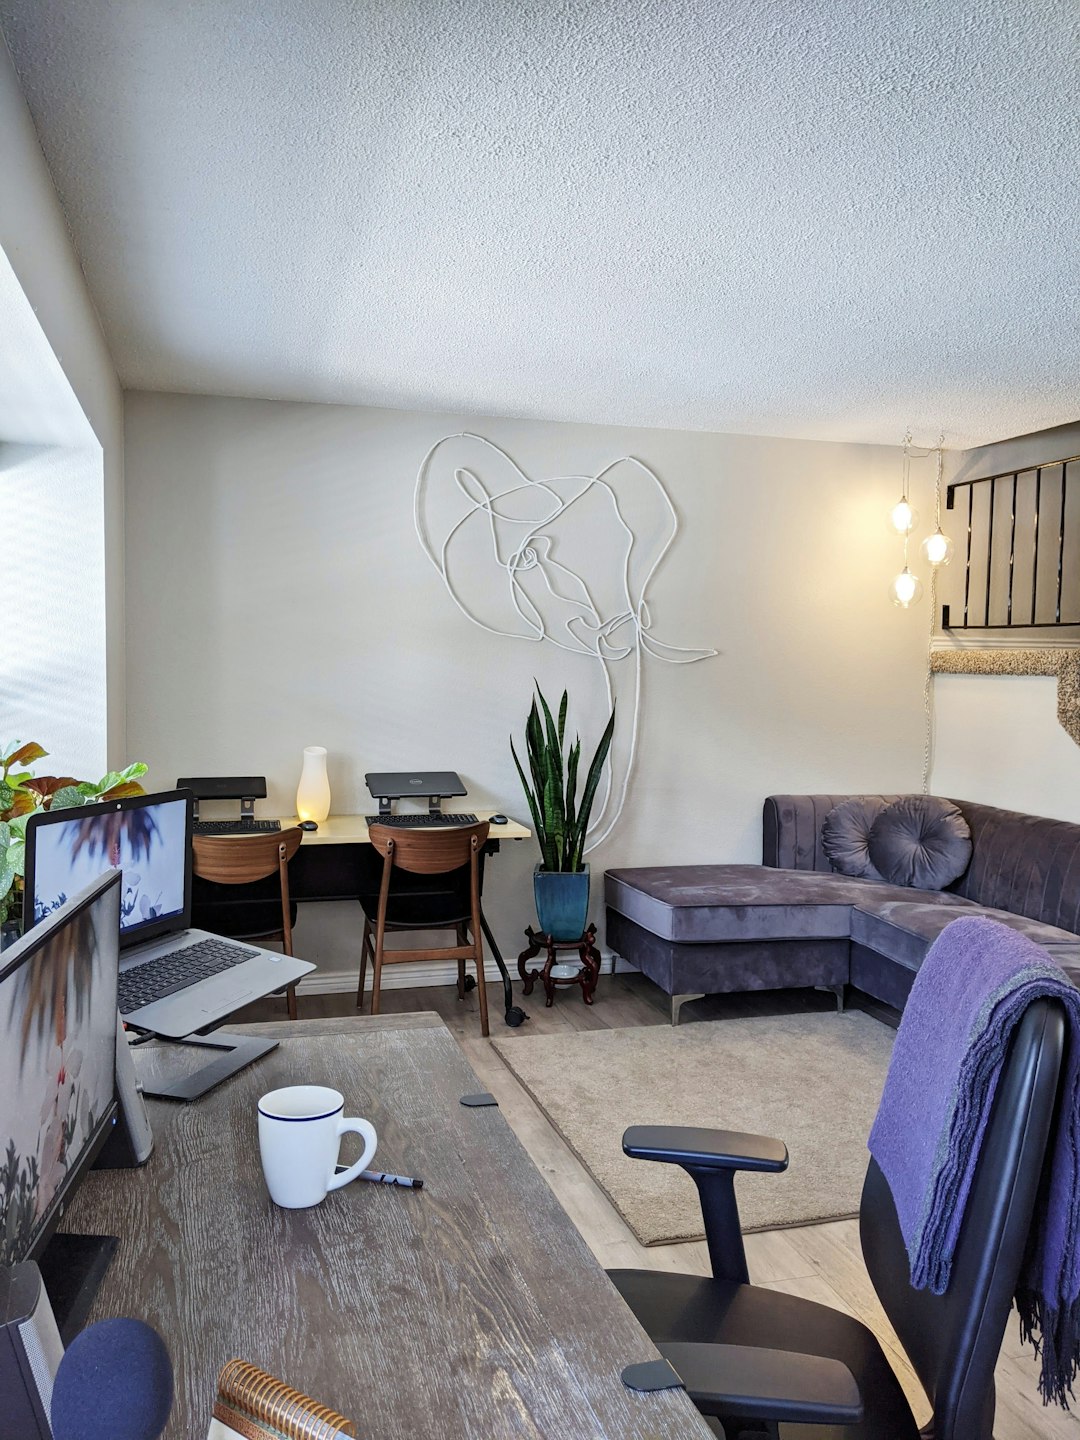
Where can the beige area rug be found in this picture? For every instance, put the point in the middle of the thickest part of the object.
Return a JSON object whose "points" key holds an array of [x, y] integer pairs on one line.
{"points": [[813, 1081]]}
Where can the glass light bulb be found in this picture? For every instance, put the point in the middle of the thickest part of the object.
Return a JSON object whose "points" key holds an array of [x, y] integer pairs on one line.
{"points": [[903, 517], [937, 549], [906, 589]]}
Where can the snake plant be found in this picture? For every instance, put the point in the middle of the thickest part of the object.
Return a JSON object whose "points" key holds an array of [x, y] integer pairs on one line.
{"points": [[558, 819]]}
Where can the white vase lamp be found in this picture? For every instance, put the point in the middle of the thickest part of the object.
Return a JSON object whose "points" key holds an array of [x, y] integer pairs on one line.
{"points": [[313, 792]]}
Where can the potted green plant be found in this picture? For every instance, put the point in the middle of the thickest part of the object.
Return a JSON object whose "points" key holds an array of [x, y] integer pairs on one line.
{"points": [[561, 878], [22, 794]]}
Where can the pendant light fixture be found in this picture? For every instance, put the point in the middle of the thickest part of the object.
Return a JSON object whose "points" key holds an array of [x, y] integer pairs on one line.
{"points": [[906, 587], [937, 549], [903, 517]]}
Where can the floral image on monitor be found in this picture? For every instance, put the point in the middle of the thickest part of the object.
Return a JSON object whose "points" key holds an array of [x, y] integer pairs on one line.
{"points": [[57, 1066]]}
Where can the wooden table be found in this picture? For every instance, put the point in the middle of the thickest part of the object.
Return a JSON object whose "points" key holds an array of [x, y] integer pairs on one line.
{"points": [[415, 1313]]}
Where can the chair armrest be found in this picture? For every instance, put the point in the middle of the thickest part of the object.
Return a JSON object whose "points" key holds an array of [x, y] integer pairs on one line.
{"points": [[776, 1385], [700, 1149], [711, 1158]]}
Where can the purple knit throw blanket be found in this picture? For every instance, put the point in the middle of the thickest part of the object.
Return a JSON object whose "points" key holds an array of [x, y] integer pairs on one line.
{"points": [[972, 990]]}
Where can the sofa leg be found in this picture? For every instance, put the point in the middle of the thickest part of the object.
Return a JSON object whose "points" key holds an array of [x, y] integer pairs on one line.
{"points": [[838, 991], [678, 1001]]}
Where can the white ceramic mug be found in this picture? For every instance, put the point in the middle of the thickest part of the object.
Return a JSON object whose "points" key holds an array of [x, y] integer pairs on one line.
{"points": [[300, 1130]]}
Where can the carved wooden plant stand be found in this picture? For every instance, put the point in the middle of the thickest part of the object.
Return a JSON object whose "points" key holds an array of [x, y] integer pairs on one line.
{"points": [[588, 973]]}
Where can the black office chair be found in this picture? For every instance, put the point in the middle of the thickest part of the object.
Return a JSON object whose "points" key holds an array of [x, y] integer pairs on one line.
{"points": [[772, 1364]]}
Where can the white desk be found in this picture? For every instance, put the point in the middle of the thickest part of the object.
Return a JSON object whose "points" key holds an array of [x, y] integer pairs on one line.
{"points": [[353, 829]]}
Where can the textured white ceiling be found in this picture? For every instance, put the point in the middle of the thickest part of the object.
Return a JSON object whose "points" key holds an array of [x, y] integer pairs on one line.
{"points": [[831, 219]]}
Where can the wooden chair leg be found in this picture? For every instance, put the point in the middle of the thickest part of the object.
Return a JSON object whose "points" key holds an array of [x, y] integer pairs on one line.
{"points": [[461, 940], [365, 946], [376, 975], [481, 985], [291, 997]]}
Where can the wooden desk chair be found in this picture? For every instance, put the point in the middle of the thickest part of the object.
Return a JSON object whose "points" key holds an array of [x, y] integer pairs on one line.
{"points": [[453, 851], [243, 859]]}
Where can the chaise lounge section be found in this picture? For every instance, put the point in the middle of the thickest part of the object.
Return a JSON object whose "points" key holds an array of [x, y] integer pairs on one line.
{"points": [[793, 921]]}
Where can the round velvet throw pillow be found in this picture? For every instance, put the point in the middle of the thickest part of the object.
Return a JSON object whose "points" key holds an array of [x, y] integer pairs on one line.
{"points": [[922, 841], [845, 835]]}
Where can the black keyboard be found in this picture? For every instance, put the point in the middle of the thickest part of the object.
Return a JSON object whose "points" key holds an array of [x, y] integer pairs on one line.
{"points": [[154, 979], [411, 821], [234, 827]]}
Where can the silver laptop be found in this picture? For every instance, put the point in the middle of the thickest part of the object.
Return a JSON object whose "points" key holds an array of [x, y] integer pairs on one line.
{"points": [[173, 980]]}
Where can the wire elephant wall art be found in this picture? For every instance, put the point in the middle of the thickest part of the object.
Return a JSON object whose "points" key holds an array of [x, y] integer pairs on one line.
{"points": [[566, 560]]}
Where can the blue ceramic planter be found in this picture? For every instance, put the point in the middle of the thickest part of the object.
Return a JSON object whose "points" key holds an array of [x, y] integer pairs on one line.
{"points": [[562, 902]]}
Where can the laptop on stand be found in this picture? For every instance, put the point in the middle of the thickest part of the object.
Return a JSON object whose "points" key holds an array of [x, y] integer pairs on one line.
{"points": [[174, 980]]}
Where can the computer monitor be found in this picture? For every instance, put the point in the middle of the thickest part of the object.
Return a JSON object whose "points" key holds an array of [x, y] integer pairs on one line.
{"points": [[148, 837], [58, 1084]]}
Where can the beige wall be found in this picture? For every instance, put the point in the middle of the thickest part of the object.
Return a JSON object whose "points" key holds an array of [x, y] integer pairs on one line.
{"points": [[997, 738], [35, 239], [277, 597]]}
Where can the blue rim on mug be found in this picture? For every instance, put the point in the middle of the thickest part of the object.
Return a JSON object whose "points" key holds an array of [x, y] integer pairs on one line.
{"points": [[301, 1119]]}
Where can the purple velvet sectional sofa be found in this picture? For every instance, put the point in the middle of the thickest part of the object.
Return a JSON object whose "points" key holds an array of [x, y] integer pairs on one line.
{"points": [[793, 921]]}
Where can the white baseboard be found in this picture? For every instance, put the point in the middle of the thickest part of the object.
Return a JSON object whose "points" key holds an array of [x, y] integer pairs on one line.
{"points": [[417, 977]]}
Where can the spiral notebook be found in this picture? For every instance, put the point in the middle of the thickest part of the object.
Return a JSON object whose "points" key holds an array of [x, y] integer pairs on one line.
{"points": [[252, 1405]]}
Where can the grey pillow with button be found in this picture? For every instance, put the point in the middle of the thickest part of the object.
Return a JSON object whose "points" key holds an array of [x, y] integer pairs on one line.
{"points": [[845, 836], [921, 841]]}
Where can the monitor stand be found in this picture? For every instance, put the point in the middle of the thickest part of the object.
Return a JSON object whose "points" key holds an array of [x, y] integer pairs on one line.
{"points": [[160, 1081], [72, 1269]]}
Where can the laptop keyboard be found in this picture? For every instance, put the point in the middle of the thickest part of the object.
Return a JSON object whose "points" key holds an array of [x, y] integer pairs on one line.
{"points": [[234, 827], [154, 979]]}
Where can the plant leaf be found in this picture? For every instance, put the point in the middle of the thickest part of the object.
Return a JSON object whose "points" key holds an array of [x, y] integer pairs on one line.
{"points": [[25, 803], [123, 790], [46, 785], [24, 755], [7, 879], [66, 798], [530, 797], [16, 856], [562, 716], [554, 792], [554, 741], [553, 822], [591, 783], [573, 823]]}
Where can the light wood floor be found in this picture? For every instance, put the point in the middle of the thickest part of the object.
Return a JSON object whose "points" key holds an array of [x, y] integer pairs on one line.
{"points": [[819, 1262]]}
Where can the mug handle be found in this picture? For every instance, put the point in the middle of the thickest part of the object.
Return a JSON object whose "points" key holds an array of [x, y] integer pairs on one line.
{"points": [[346, 1124]]}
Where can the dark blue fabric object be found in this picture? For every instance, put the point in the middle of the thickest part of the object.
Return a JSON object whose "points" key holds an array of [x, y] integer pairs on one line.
{"points": [[967, 999], [920, 840], [845, 836], [115, 1382]]}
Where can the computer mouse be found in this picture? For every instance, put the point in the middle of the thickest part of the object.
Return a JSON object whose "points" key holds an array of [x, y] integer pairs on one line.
{"points": [[309, 825], [499, 820]]}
